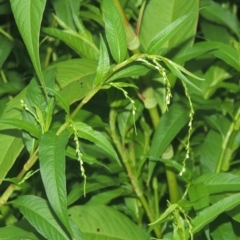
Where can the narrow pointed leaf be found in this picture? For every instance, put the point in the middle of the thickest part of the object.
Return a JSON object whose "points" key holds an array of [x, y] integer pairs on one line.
{"points": [[62, 101], [159, 14], [176, 72], [209, 214], [52, 168], [103, 63], [115, 31], [37, 211], [133, 70], [30, 128], [63, 11], [228, 54], [79, 43], [28, 16], [11, 143], [216, 13], [167, 33], [220, 182], [5, 49], [171, 123], [194, 51], [97, 138]]}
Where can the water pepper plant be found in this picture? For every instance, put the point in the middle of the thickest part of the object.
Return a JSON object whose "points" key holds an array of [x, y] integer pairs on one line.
{"points": [[119, 119]]}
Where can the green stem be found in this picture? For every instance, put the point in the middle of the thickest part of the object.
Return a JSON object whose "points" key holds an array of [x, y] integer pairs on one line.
{"points": [[6, 34], [154, 116], [171, 177], [30, 162], [226, 152], [134, 180], [156, 196]]}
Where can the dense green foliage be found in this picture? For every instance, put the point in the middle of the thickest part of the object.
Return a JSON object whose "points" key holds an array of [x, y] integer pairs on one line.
{"points": [[119, 119]]}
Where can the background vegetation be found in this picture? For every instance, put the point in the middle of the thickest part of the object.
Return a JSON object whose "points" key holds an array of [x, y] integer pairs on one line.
{"points": [[119, 119]]}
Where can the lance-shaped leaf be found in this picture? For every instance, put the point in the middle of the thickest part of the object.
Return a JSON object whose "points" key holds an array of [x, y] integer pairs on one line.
{"points": [[103, 63], [86, 132], [28, 16], [171, 123], [115, 31], [78, 42], [24, 125], [209, 214], [167, 33], [38, 212], [176, 72], [52, 168], [16, 233]]}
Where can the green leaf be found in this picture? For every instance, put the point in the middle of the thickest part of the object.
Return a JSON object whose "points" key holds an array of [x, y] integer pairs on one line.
{"points": [[63, 11], [52, 168], [74, 69], [62, 101], [132, 70], [196, 50], [10, 148], [228, 54], [176, 72], [14, 122], [199, 196], [210, 151], [187, 175], [222, 228], [215, 32], [11, 143], [86, 132], [115, 31], [167, 33], [16, 233], [165, 214], [214, 12], [103, 63], [91, 118], [79, 43], [98, 183], [171, 123], [106, 197], [37, 211], [105, 223], [160, 13], [5, 49], [209, 214], [75, 78], [219, 182], [28, 16]]}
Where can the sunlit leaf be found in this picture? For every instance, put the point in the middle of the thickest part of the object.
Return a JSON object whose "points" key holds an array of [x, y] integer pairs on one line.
{"points": [[153, 22], [103, 63], [115, 31], [168, 32], [28, 16]]}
